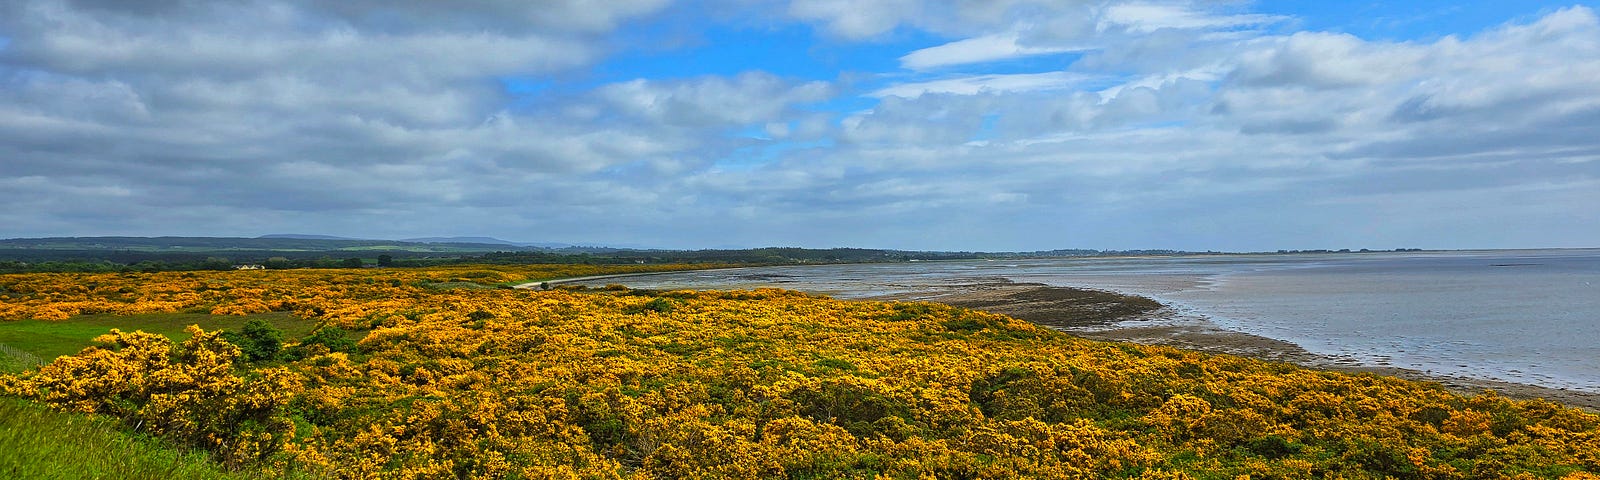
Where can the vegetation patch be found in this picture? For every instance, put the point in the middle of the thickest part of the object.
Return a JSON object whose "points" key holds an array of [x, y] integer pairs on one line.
{"points": [[36, 442], [50, 339], [13, 359], [501, 383]]}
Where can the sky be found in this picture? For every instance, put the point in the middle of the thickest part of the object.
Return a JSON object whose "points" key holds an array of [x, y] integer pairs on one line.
{"points": [[972, 125]]}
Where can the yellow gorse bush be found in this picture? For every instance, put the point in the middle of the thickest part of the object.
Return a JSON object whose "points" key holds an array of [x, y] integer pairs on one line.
{"points": [[758, 384], [307, 292]]}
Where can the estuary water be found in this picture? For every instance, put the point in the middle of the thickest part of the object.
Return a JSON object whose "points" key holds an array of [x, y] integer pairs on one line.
{"points": [[1525, 316]]}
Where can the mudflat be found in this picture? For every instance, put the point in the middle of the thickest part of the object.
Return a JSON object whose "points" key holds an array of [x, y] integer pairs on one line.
{"points": [[1110, 316]]}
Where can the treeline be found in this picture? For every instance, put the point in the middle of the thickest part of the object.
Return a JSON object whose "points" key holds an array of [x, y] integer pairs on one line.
{"points": [[153, 266], [126, 257], [770, 255], [88, 261], [162, 254], [232, 243]]}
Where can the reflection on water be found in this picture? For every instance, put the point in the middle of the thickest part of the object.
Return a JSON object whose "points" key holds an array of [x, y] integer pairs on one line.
{"points": [[1522, 316]]}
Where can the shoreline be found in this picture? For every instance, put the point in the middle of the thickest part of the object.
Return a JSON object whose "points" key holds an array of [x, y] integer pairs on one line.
{"points": [[1115, 317], [1108, 316]]}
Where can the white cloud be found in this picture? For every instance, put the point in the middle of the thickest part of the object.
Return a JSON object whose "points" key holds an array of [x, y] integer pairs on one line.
{"points": [[1149, 17], [747, 98], [1188, 123], [253, 107], [854, 19], [857, 20], [987, 48], [1247, 129], [513, 15], [979, 84], [1327, 60]]}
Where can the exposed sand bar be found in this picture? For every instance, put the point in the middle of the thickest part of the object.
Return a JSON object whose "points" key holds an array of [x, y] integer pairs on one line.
{"points": [[1110, 316]]}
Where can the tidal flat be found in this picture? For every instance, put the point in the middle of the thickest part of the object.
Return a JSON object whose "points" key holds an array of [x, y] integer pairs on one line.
{"points": [[1115, 317]]}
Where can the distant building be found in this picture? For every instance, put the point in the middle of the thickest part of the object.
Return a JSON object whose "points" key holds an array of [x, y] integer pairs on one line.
{"points": [[249, 267]]}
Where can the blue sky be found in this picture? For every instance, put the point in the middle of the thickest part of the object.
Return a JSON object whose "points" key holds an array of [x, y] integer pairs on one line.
{"points": [[915, 124]]}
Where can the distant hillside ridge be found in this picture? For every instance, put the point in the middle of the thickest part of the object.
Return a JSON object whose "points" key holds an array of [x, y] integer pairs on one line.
{"points": [[302, 236], [487, 241]]}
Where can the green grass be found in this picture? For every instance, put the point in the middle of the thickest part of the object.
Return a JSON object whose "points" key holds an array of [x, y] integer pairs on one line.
{"points": [[39, 443], [36, 442], [48, 339], [13, 359]]}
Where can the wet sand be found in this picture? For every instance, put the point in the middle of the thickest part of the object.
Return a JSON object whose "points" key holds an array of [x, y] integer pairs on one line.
{"points": [[1108, 316]]}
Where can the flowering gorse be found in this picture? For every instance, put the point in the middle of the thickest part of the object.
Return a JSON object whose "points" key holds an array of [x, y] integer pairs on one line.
{"points": [[762, 384]]}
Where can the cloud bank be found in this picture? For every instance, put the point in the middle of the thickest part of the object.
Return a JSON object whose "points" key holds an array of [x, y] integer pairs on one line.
{"points": [[995, 125]]}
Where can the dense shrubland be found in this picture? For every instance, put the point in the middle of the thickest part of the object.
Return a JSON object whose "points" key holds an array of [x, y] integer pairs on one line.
{"points": [[309, 293], [453, 382]]}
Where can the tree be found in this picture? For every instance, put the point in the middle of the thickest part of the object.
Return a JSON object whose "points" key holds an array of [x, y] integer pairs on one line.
{"points": [[217, 263], [385, 260], [258, 341], [351, 263], [277, 263]]}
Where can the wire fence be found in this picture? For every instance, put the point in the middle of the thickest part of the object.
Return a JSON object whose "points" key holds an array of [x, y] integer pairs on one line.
{"points": [[13, 359]]}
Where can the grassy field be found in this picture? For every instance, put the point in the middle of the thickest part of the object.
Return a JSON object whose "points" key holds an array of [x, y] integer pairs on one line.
{"points": [[48, 339], [39, 443], [13, 359]]}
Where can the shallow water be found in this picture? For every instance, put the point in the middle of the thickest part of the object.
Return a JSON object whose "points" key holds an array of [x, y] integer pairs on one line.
{"points": [[1527, 316]]}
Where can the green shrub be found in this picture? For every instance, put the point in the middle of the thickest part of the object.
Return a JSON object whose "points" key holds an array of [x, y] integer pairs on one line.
{"points": [[860, 410], [658, 305], [258, 341], [324, 340]]}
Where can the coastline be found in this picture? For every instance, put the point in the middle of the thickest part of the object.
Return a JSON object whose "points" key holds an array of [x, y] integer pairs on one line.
{"points": [[1108, 316]]}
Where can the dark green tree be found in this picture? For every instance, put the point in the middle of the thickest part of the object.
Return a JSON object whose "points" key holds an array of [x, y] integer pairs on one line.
{"points": [[258, 341], [217, 263], [385, 260], [351, 263]]}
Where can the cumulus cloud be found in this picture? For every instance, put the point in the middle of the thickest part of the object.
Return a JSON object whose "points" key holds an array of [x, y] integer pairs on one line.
{"points": [[257, 107], [1326, 60], [1253, 128], [1187, 124], [743, 99], [856, 19]]}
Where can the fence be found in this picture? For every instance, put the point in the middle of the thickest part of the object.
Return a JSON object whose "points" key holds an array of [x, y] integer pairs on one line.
{"points": [[13, 359]]}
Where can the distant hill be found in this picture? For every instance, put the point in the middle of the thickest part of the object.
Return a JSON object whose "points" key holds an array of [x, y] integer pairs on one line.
{"points": [[323, 251], [301, 236], [478, 240], [487, 241]]}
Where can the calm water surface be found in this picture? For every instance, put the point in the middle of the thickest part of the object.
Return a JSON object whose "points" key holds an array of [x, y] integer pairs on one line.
{"points": [[1529, 316]]}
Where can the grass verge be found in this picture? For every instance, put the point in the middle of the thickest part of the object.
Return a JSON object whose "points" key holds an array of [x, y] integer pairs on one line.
{"points": [[39, 443], [48, 339]]}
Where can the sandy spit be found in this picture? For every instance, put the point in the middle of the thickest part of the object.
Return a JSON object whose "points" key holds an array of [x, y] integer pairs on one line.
{"points": [[1107, 316]]}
